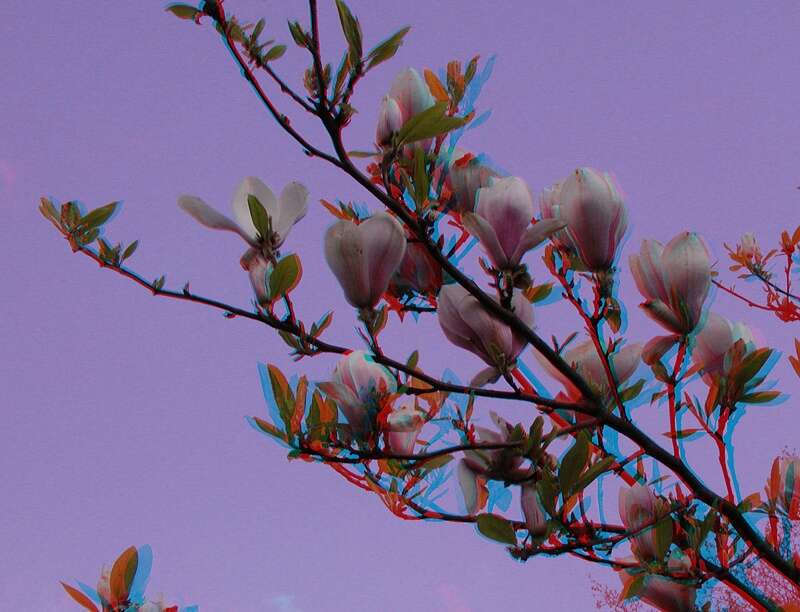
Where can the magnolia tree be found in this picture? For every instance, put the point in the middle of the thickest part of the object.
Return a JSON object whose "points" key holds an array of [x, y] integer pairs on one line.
{"points": [[405, 434]]}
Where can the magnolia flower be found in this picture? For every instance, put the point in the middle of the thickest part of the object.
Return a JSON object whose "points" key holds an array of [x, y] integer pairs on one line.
{"points": [[748, 245], [467, 325], [533, 510], [465, 176], [638, 507], [358, 385], [402, 428], [418, 271], [663, 593], [284, 211], [409, 95], [478, 466], [592, 207], [473, 487], [674, 280], [502, 222], [717, 336], [584, 359], [363, 257], [783, 486]]}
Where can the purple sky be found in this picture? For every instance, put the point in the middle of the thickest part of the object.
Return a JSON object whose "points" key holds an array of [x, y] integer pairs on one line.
{"points": [[124, 414]]}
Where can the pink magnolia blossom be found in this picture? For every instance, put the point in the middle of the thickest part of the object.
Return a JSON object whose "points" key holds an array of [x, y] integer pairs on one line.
{"points": [[104, 586], [748, 245], [465, 176], [418, 271], [409, 95], [283, 211], [591, 205], [639, 506], [478, 465], [664, 594], [358, 384], [533, 510], [674, 280], [502, 222], [469, 326], [717, 336], [363, 257], [583, 357], [783, 486], [402, 428]]}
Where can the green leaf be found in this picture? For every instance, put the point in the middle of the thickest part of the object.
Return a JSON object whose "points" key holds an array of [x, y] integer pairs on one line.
{"points": [[682, 433], [421, 186], [539, 292], [184, 11], [633, 391], [274, 53], [285, 276], [595, 470], [573, 464], [122, 574], [413, 359], [663, 537], [259, 215], [98, 216], [386, 49], [49, 212], [268, 428], [130, 250], [436, 462], [429, 123], [158, 284], [759, 397], [300, 37], [259, 27], [497, 528], [352, 31], [751, 364], [79, 597]]}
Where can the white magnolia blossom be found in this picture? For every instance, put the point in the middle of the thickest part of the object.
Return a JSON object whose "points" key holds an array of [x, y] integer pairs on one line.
{"points": [[284, 211]]}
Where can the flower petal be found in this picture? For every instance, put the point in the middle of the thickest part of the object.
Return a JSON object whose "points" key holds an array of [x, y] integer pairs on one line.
{"points": [[250, 185], [292, 206], [208, 216]]}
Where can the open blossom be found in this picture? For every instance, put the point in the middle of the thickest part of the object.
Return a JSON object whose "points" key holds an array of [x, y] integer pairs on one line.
{"points": [[592, 207], [283, 211], [468, 325], [466, 174], [638, 506], [402, 428], [364, 257], [409, 95], [664, 594], [674, 280], [533, 510], [717, 336], [584, 358], [357, 385], [502, 222]]}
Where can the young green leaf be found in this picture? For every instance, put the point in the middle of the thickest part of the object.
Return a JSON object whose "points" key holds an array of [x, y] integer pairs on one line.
{"points": [[285, 276], [352, 31], [572, 464], [497, 528], [80, 598], [259, 215], [184, 11], [130, 250], [386, 49], [98, 216], [275, 53], [122, 573], [429, 123]]}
